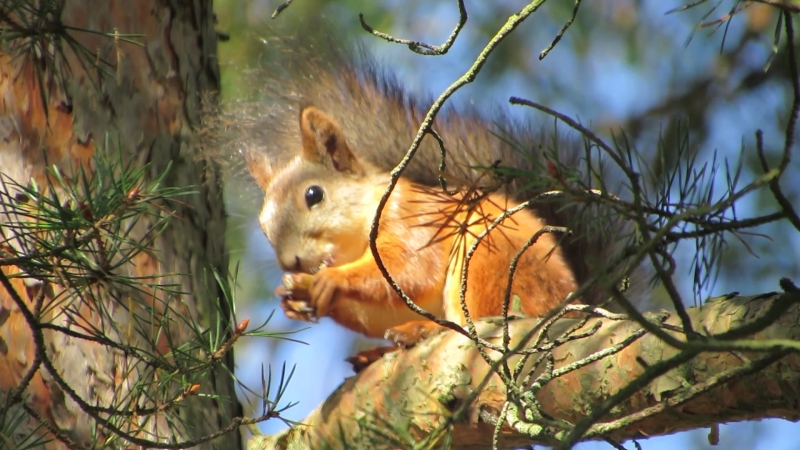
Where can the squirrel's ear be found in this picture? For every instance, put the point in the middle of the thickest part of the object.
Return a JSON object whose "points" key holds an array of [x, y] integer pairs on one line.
{"points": [[323, 140]]}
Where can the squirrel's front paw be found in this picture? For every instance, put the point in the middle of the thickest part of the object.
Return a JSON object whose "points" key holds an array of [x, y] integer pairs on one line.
{"points": [[306, 297], [297, 310], [292, 301]]}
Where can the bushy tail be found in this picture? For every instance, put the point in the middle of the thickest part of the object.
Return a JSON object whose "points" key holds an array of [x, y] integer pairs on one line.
{"points": [[380, 119]]}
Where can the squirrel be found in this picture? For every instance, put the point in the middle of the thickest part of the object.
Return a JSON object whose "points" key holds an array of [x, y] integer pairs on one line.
{"points": [[321, 143]]}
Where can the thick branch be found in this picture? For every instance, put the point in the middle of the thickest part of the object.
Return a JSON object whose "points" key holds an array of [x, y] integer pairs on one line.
{"points": [[408, 395]]}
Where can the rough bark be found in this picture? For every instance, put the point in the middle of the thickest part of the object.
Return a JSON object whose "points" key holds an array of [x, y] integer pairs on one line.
{"points": [[411, 393], [150, 110]]}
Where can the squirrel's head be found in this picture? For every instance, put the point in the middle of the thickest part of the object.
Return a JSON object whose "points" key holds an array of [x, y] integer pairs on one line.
{"points": [[318, 207]]}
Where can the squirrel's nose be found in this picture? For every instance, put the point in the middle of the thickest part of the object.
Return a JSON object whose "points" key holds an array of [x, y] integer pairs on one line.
{"points": [[289, 263]]}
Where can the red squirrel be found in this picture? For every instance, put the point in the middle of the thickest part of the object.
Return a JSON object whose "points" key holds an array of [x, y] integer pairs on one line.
{"points": [[317, 214], [322, 150]]}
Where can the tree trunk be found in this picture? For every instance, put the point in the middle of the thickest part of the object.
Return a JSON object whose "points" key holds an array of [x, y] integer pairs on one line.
{"points": [[150, 109]]}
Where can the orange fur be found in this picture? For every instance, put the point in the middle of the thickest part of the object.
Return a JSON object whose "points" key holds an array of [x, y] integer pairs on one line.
{"points": [[423, 239]]}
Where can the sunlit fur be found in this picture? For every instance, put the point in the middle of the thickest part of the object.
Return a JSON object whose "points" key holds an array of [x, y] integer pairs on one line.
{"points": [[420, 240], [380, 118]]}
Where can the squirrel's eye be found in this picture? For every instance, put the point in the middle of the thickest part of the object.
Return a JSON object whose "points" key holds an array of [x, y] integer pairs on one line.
{"points": [[314, 195]]}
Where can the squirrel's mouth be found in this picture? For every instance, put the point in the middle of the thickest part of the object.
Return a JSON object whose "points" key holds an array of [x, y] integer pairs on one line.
{"points": [[327, 262]]}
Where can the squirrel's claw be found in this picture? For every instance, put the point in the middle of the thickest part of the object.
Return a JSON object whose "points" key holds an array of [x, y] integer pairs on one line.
{"points": [[408, 334]]}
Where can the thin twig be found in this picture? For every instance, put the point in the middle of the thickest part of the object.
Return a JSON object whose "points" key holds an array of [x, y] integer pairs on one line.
{"points": [[280, 8], [418, 46]]}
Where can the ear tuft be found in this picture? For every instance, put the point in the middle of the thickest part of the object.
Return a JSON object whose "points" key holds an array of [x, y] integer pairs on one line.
{"points": [[324, 141], [260, 169]]}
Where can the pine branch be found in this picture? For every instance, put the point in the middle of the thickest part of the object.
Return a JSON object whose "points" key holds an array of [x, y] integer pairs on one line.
{"points": [[647, 388]]}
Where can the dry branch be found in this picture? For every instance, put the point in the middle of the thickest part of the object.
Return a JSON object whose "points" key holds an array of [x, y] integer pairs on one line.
{"points": [[407, 395]]}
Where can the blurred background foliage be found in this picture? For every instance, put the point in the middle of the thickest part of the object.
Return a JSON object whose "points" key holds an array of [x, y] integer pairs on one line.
{"points": [[688, 80]]}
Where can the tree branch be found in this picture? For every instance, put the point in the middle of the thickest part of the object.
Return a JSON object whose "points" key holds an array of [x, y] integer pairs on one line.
{"points": [[409, 396]]}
